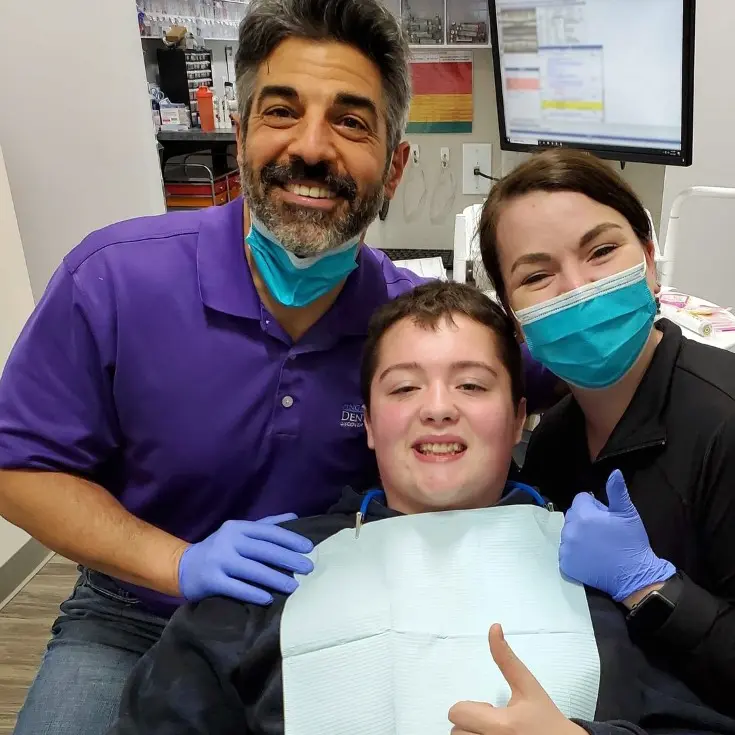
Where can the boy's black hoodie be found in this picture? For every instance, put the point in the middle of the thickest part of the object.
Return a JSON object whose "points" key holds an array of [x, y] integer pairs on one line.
{"points": [[217, 668]]}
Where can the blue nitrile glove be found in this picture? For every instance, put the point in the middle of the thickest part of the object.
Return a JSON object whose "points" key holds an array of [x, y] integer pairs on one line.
{"points": [[236, 561], [607, 547]]}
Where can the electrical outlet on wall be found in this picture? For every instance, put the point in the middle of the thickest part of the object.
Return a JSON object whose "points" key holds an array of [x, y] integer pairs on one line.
{"points": [[414, 154], [476, 155]]}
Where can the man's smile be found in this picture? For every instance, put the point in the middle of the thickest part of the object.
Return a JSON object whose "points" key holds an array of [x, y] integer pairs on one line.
{"points": [[308, 194]]}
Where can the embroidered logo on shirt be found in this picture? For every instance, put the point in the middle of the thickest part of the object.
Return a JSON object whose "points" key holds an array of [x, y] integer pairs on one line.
{"points": [[352, 416]]}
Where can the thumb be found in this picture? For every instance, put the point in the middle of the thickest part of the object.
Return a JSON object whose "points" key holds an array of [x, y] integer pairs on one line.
{"points": [[617, 494], [521, 681]]}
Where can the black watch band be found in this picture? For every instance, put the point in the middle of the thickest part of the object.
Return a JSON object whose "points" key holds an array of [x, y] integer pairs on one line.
{"points": [[654, 610]]}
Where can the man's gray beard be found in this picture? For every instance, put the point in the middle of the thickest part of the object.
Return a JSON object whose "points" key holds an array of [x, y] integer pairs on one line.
{"points": [[308, 232]]}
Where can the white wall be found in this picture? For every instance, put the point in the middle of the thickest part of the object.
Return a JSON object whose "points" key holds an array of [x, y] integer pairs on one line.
{"points": [[75, 123], [705, 262], [16, 303], [398, 232]]}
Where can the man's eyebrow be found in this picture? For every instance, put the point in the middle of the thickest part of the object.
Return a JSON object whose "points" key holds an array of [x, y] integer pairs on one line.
{"points": [[595, 232], [277, 90], [347, 99], [459, 365]]}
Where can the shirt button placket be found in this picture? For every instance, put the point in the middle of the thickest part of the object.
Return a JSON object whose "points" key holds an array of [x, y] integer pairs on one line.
{"points": [[287, 414]]}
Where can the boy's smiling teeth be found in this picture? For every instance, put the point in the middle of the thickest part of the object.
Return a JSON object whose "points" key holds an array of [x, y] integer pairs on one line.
{"points": [[436, 448]]}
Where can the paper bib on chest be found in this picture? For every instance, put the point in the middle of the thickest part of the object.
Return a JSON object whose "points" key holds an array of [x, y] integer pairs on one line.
{"points": [[390, 629]]}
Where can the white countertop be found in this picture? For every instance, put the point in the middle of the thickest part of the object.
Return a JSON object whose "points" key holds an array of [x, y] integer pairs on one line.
{"points": [[723, 340]]}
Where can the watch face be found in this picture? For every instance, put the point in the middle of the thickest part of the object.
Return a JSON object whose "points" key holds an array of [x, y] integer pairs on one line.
{"points": [[652, 613]]}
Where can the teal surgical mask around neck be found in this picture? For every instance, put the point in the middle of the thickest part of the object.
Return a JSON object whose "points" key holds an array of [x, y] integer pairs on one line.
{"points": [[592, 336], [295, 281]]}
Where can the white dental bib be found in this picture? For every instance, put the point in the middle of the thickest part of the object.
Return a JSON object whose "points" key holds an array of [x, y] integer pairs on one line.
{"points": [[390, 629]]}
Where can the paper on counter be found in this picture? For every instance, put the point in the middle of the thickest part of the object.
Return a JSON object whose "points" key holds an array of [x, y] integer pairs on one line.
{"points": [[425, 267]]}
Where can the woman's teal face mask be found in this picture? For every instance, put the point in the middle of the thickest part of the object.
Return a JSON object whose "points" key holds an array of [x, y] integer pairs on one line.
{"points": [[592, 336]]}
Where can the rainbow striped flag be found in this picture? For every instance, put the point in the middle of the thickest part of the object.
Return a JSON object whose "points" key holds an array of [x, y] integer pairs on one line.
{"points": [[442, 93]]}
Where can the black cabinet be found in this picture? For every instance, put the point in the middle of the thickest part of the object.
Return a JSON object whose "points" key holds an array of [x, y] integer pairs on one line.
{"points": [[181, 72]]}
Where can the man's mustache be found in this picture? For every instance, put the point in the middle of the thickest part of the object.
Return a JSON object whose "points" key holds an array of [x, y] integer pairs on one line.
{"points": [[282, 174]]}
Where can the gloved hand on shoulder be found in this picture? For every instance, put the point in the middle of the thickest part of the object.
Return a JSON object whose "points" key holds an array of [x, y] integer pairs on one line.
{"points": [[236, 561], [607, 547]]}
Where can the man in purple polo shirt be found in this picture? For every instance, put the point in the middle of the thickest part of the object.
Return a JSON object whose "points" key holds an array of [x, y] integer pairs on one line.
{"points": [[184, 376], [187, 370]]}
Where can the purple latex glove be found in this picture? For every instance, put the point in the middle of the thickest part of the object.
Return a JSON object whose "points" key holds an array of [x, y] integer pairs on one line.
{"points": [[237, 561], [607, 547]]}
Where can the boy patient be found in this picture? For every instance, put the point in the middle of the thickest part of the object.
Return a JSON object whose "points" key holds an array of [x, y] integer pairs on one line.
{"points": [[442, 387]]}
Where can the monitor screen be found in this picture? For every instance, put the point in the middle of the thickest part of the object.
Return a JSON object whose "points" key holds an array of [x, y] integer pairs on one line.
{"points": [[614, 77]]}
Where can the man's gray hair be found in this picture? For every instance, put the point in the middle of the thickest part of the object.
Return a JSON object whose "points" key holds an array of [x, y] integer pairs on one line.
{"points": [[363, 24]]}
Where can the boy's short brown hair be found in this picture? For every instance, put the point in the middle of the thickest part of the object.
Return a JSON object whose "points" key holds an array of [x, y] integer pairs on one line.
{"points": [[427, 306]]}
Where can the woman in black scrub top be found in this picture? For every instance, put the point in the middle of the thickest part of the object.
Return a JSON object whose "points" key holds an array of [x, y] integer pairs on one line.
{"points": [[641, 454]]}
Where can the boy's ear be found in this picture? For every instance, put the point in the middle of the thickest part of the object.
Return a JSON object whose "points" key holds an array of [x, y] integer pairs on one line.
{"points": [[368, 428], [520, 419]]}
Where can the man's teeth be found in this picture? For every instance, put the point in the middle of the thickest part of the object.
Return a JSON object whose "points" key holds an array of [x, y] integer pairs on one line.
{"points": [[434, 448], [313, 192]]}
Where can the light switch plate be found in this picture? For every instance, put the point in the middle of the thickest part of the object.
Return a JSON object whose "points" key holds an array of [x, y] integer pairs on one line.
{"points": [[476, 154]]}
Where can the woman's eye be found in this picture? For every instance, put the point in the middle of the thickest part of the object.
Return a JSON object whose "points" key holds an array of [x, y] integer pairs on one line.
{"points": [[534, 278], [604, 250]]}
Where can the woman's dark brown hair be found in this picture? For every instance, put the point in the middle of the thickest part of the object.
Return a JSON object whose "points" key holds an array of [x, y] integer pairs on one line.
{"points": [[558, 169]]}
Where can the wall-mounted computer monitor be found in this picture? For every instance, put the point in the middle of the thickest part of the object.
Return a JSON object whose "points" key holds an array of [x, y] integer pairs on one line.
{"points": [[613, 77]]}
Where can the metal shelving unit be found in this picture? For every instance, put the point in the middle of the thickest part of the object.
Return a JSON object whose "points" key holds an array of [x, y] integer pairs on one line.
{"points": [[211, 20], [456, 24], [431, 24]]}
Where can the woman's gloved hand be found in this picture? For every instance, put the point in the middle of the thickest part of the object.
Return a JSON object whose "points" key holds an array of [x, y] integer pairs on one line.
{"points": [[607, 547], [236, 561]]}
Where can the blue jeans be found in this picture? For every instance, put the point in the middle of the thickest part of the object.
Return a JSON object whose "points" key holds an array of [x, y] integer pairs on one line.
{"points": [[101, 634]]}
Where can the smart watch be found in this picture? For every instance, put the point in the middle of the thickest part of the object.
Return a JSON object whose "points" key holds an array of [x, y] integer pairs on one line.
{"points": [[654, 610]]}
